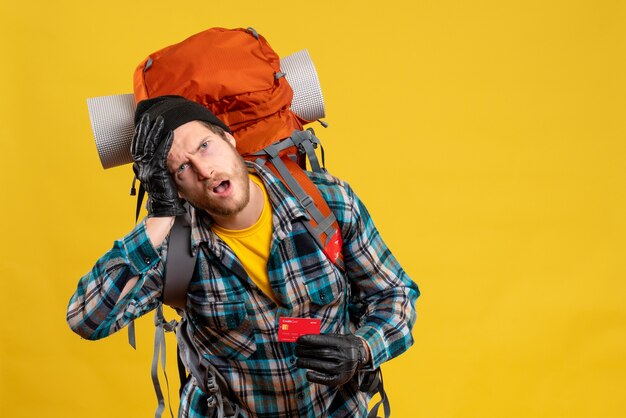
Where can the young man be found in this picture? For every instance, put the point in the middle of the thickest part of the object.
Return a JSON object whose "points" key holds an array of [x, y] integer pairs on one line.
{"points": [[256, 262]]}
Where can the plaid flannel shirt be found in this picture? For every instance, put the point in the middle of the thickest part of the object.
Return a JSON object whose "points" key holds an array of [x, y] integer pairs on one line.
{"points": [[236, 325]]}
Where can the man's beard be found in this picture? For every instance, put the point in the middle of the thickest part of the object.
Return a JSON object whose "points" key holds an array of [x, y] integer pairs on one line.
{"points": [[219, 207]]}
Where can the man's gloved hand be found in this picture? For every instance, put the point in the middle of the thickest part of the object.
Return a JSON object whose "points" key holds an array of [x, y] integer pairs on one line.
{"points": [[149, 150], [332, 359]]}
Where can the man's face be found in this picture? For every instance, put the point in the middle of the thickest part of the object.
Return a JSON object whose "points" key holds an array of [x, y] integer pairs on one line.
{"points": [[208, 171]]}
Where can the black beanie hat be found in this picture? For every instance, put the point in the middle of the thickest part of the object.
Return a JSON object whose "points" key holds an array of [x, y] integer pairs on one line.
{"points": [[176, 111]]}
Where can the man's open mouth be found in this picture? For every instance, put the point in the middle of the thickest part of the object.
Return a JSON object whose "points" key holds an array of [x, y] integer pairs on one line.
{"points": [[222, 187]]}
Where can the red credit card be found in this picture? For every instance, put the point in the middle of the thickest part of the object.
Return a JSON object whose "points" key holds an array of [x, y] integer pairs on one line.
{"points": [[289, 329]]}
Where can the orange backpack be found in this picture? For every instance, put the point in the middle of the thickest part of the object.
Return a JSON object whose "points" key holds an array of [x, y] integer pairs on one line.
{"points": [[235, 74]]}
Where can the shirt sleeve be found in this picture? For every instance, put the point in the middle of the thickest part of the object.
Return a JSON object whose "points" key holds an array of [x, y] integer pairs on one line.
{"points": [[96, 310], [379, 284]]}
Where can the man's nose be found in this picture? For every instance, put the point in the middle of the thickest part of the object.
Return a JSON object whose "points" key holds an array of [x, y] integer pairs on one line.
{"points": [[203, 170]]}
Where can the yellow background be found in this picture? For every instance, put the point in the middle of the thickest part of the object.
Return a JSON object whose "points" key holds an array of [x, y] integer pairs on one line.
{"points": [[486, 138]]}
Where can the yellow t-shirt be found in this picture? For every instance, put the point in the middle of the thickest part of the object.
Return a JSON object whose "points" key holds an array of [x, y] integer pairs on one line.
{"points": [[252, 245]]}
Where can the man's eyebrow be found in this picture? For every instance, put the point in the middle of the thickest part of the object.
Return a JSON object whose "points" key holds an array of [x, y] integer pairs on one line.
{"points": [[200, 142]]}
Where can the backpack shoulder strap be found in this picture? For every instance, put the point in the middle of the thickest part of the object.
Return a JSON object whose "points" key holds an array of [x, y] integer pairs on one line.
{"points": [[323, 225], [179, 265]]}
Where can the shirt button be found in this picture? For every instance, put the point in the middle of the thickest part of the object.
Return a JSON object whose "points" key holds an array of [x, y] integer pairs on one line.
{"points": [[147, 260], [292, 360], [323, 296], [300, 396]]}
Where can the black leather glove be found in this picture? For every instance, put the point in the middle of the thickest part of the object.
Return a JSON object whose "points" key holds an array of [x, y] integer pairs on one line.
{"points": [[332, 359], [149, 150]]}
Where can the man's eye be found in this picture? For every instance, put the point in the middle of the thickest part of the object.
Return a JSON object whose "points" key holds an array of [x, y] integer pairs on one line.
{"points": [[182, 167], [204, 145]]}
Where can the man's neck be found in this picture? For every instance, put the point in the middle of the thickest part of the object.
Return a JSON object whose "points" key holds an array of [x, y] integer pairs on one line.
{"points": [[249, 215]]}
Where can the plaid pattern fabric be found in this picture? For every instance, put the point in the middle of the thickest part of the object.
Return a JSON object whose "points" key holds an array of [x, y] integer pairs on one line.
{"points": [[235, 324]]}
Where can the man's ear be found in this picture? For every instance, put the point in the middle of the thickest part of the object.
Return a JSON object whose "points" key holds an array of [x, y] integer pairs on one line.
{"points": [[231, 139]]}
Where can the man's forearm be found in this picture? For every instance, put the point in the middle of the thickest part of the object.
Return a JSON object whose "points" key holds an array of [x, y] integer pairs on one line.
{"points": [[95, 310], [158, 228]]}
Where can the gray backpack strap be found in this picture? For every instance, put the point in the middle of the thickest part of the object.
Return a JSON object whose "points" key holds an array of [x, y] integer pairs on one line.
{"points": [[179, 264], [162, 326], [177, 275], [306, 142], [206, 376], [324, 224], [179, 268], [373, 384]]}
